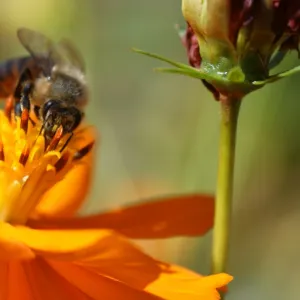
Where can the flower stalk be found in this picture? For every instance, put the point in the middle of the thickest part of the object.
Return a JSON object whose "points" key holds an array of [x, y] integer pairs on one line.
{"points": [[229, 117]]}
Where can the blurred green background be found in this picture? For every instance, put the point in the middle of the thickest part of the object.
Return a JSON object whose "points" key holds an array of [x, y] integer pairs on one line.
{"points": [[159, 135]]}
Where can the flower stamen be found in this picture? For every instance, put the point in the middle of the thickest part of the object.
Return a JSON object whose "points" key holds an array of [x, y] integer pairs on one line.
{"points": [[30, 163], [83, 151], [24, 155], [2, 157], [62, 162]]}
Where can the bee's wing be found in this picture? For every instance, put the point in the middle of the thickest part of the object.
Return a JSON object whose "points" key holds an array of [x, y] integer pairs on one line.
{"points": [[41, 48], [70, 54], [47, 53]]}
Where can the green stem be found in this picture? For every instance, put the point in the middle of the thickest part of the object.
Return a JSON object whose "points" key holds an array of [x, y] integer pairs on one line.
{"points": [[229, 117]]}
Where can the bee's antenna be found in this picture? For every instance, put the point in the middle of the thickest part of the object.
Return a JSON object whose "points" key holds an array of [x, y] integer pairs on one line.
{"points": [[41, 130]]}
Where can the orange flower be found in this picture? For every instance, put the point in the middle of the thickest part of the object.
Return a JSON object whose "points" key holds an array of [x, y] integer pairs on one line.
{"points": [[48, 253]]}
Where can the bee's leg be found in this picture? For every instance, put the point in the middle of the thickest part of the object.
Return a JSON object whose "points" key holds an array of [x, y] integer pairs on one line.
{"points": [[26, 76], [56, 139], [36, 110], [67, 142], [23, 90], [83, 151], [9, 107], [77, 116], [32, 121], [25, 105]]}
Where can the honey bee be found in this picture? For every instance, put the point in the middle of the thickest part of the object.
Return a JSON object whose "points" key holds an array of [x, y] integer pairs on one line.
{"points": [[52, 82]]}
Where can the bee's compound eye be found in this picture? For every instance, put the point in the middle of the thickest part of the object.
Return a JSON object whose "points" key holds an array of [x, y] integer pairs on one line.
{"points": [[48, 105]]}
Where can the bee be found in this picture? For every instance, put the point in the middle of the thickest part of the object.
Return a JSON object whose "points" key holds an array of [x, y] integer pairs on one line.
{"points": [[52, 83]]}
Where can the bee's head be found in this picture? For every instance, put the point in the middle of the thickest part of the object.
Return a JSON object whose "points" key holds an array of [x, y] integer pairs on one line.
{"points": [[54, 114]]}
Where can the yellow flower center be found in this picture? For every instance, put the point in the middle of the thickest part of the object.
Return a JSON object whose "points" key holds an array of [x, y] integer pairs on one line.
{"points": [[29, 167]]}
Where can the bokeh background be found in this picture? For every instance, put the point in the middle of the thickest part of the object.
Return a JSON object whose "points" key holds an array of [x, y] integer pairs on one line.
{"points": [[159, 136]]}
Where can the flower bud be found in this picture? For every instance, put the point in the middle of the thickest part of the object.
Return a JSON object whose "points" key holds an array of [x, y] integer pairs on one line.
{"points": [[238, 39], [232, 45]]}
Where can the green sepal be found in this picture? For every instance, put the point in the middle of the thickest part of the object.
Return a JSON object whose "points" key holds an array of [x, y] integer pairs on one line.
{"points": [[180, 72], [164, 59], [276, 59], [179, 67], [278, 76]]}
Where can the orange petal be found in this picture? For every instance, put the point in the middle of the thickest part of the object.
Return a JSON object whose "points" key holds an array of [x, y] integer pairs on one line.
{"points": [[42, 280], [104, 253], [18, 286], [97, 286], [46, 284], [176, 283], [187, 215], [101, 250], [66, 196], [4, 271], [10, 246]]}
